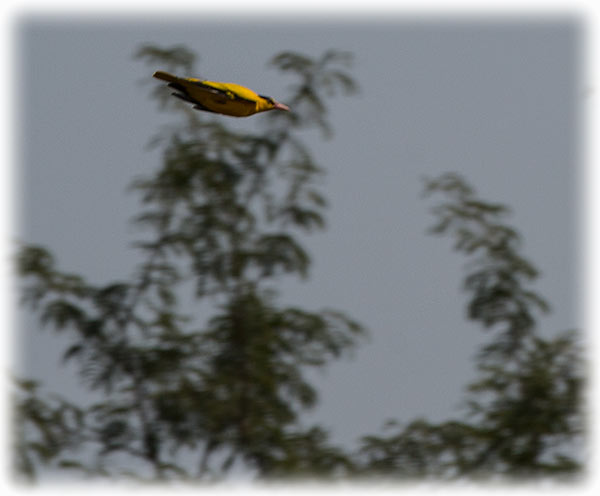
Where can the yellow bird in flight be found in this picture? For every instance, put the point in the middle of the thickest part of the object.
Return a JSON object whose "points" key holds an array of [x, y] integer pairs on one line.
{"points": [[220, 98]]}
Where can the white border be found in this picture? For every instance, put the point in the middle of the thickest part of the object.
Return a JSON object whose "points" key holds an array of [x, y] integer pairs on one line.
{"points": [[308, 10]]}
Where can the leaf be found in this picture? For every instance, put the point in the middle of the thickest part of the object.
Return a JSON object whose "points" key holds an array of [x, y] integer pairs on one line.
{"points": [[35, 260], [61, 314], [72, 352], [173, 57], [71, 464]]}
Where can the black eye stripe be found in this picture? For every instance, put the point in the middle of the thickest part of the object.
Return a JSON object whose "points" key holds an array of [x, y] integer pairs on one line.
{"points": [[267, 98]]}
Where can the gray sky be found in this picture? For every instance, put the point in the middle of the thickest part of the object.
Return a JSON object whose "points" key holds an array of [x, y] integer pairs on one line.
{"points": [[494, 101]]}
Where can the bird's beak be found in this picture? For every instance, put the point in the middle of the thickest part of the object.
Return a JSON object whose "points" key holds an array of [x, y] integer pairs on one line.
{"points": [[281, 106]]}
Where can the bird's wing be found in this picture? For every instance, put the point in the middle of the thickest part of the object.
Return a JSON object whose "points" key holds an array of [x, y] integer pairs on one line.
{"points": [[190, 90], [231, 91], [218, 95]]}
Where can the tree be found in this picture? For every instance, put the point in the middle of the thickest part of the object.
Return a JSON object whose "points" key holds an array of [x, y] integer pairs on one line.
{"points": [[524, 412], [225, 389]]}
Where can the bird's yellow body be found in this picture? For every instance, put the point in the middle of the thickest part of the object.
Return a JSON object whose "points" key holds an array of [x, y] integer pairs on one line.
{"points": [[221, 98]]}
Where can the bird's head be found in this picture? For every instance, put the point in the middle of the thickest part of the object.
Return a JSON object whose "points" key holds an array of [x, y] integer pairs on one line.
{"points": [[267, 103]]}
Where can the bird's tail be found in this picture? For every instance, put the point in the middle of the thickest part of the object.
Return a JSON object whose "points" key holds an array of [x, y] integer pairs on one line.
{"points": [[165, 76]]}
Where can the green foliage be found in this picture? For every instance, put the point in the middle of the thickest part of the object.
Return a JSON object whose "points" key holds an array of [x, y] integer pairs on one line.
{"points": [[524, 412], [529, 411], [498, 274], [420, 450], [46, 431], [315, 77], [224, 386], [522, 423]]}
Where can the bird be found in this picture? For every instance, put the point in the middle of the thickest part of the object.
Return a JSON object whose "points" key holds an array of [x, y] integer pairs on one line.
{"points": [[220, 98]]}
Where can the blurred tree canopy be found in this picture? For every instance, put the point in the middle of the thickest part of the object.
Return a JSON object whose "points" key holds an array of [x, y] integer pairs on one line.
{"points": [[189, 396], [224, 214], [524, 416]]}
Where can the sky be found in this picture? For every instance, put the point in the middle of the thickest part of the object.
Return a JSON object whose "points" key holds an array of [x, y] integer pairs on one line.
{"points": [[498, 101]]}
